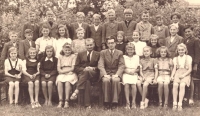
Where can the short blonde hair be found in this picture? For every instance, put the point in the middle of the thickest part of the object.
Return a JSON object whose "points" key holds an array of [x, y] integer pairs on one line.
{"points": [[80, 29], [181, 45], [31, 49], [80, 14], [11, 49]]}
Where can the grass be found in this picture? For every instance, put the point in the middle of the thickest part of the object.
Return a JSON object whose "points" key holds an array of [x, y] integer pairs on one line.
{"points": [[26, 110]]}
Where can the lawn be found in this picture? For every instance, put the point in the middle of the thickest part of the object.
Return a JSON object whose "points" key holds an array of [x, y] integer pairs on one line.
{"points": [[26, 110]]}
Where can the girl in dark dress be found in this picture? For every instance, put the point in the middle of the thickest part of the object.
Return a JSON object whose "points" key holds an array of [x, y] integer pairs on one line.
{"points": [[153, 43], [31, 76], [120, 42], [48, 72], [13, 67]]}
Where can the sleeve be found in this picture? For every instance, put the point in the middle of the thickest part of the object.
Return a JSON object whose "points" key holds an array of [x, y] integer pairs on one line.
{"points": [[24, 65], [58, 64], [37, 42], [171, 64], [22, 32], [174, 61], [6, 64], [78, 68], [73, 60], [137, 27], [121, 65], [54, 71], [155, 62], [140, 63], [189, 60], [196, 58], [101, 65], [166, 31]]}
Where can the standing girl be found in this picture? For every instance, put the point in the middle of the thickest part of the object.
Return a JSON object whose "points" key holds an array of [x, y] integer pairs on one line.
{"points": [[13, 67], [153, 43], [120, 45], [63, 38], [130, 75], [148, 72], [48, 72], [31, 76], [66, 62], [165, 66], [181, 75]]}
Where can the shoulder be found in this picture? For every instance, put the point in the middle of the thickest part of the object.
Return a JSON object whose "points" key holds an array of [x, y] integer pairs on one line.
{"points": [[189, 57], [119, 51], [6, 61], [97, 53], [20, 60]]}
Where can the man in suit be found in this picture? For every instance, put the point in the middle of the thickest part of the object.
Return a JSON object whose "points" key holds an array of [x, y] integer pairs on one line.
{"points": [[80, 23], [111, 66], [95, 32], [31, 25], [128, 25], [24, 45], [87, 71]]}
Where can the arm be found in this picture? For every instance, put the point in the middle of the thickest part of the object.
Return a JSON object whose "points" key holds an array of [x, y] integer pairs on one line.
{"points": [[174, 69], [24, 69], [54, 71], [6, 63], [37, 45], [22, 32], [42, 72], [78, 68], [121, 65], [101, 65], [196, 54]]}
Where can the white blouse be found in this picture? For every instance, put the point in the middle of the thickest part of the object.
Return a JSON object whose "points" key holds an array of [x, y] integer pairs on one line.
{"points": [[182, 61], [59, 44], [19, 65], [139, 47], [131, 62]]}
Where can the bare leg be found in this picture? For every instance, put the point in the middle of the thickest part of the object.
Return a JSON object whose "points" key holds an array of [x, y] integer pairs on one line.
{"points": [[160, 91], [67, 90], [181, 92], [50, 89], [16, 91], [60, 90], [175, 92], [37, 88], [44, 90], [30, 90], [145, 90], [139, 86], [126, 90], [134, 92], [10, 91], [166, 92]]}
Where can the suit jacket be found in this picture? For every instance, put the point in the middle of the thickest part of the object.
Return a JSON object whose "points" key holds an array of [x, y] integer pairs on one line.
{"points": [[128, 29], [82, 62], [110, 29], [96, 35], [173, 45], [110, 65], [75, 26], [6, 47], [24, 47], [181, 30], [53, 29], [35, 28], [193, 47]]}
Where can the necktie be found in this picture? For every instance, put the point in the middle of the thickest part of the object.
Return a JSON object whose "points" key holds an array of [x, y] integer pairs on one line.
{"points": [[88, 56], [111, 52]]}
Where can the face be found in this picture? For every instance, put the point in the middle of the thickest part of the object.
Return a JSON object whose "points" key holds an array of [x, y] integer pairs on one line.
{"points": [[96, 20], [67, 51], [130, 51], [45, 32], [119, 38], [145, 17], [111, 16], [159, 21], [13, 54], [80, 19], [188, 33], [175, 19], [136, 36], [49, 52], [128, 17], [61, 31], [163, 53], [13, 37], [154, 41], [80, 34], [29, 36], [181, 51], [32, 17], [146, 52], [50, 18], [32, 54], [173, 31], [111, 44], [89, 45], [63, 20]]}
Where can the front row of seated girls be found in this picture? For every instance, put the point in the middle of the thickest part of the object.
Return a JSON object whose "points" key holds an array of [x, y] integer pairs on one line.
{"points": [[138, 70]]}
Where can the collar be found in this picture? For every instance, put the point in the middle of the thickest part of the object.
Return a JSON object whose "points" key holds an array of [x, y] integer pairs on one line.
{"points": [[163, 59], [51, 59], [90, 52], [112, 50], [183, 57], [48, 38]]}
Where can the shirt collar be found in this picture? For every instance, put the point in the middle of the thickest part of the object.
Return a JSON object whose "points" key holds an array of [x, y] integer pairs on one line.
{"points": [[51, 59], [112, 50], [90, 53]]}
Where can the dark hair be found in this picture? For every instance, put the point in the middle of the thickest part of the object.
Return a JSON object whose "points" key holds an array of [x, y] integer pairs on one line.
{"points": [[149, 42], [49, 47], [188, 27], [110, 37], [159, 17], [177, 14], [45, 26], [163, 47]]}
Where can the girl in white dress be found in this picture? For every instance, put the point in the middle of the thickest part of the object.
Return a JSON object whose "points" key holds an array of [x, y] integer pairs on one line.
{"points": [[130, 75], [66, 62], [181, 75]]}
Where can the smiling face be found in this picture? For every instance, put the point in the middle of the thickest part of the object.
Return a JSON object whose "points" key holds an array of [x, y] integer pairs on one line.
{"points": [[159, 21], [130, 51], [89, 45], [80, 34], [163, 53], [29, 36], [181, 50], [13, 54], [189, 33], [45, 32], [96, 21], [173, 30], [67, 51], [154, 41], [128, 17], [145, 17], [49, 52], [175, 19], [111, 44], [119, 38], [147, 52], [136, 36], [32, 54], [61, 31]]}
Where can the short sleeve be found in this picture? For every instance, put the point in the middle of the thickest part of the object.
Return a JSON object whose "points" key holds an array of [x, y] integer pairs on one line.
{"points": [[21, 64], [37, 42], [174, 61], [140, 63], [59, 60], [189, 60], [6, 64]]}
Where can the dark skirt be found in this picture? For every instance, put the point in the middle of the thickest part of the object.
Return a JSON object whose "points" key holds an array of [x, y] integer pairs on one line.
{"points": [[52, 78], [27, 79], [9, 79]]}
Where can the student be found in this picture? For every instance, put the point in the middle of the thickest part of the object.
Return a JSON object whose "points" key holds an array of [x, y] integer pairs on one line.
{"points": [[31, 76], [80, 17], [128, 25], [32, 24], [160, 30], [130, 75], [173, 40], [51, 24], [13, 36], [144, 27], [13, 70], [65, 67], [181, 75], [139, 45], [148, 73], [120, 45], [48, 73], [78, 45], [95, 32], [62, 34], [175, 18], [165, 65], [24, 45], [63, 20], [44, 41], [193, 46], [153, 43], [110, 28]]}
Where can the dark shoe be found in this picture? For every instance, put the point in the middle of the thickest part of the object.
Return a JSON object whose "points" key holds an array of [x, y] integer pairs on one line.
{"points": [[114, 106], [106, 106]]}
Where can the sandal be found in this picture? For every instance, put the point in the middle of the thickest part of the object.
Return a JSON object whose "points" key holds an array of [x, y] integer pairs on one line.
{"points": [[33, 105], [66, 104], [73, 96], [127, 106], [160, 104], [60, 104], [37, 104]]}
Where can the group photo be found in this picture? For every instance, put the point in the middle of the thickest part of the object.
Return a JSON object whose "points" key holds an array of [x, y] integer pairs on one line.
{"points": [[100, 57]]}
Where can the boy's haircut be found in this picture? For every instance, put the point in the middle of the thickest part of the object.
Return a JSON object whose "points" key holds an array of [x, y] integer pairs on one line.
{"points": [[173, 25], [49, 47], [31, 49], [111, 11], [145, 12], [80, 29], [110, 38], [188, 27], [130, 45], [12, 33], [89, 39], [154, 36], [49, 12], [80, 14], [12, 49], [137, 32], [163, 47], [159, 17], [128, 11], [181, 45], [97, 16], [177, 14], [66, 45], [147, 47], [28, 31]]}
